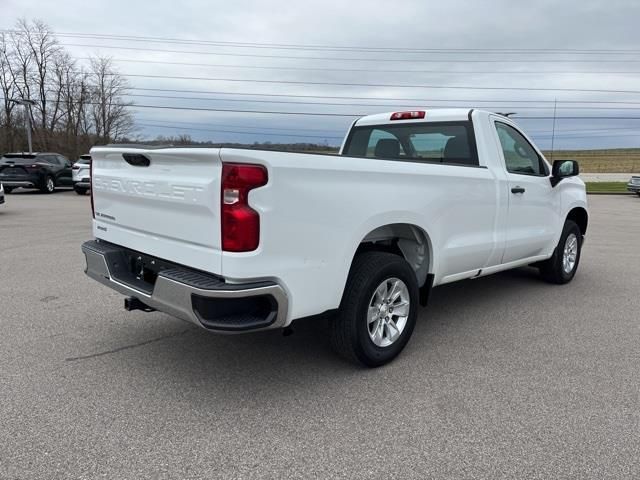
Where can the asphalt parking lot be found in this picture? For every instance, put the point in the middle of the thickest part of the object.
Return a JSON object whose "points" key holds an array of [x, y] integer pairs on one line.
{"points": [[505, 376]]}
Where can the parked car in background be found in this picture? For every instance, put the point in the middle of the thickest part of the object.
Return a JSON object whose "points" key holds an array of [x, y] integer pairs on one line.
{"points": [[634, 185], [1, 194], [81, 174], [44, 171]]}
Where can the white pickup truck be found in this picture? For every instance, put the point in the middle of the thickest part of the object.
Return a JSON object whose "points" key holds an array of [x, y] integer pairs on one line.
{"points": [[237, 240]]}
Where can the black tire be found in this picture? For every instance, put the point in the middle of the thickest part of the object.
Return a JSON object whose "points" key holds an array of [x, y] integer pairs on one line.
{"points": [[80, 190], [637, 193], [349, 329], [552, 270], [48, 184], [8, 189]]}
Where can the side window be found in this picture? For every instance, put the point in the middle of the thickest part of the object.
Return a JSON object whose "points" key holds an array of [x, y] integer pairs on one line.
{"points": [[62, 160], [50, 159], [519, 156]]}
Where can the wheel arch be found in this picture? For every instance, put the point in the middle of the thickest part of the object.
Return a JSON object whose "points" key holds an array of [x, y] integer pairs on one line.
{"points": [[407, 240], [580, 216]]}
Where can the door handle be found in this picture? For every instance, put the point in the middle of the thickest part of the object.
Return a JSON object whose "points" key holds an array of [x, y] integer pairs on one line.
{"points": [[517, 190]]}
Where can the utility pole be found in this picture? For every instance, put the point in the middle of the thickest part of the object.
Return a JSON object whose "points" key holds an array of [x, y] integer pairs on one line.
{"points": [[26, 103]]}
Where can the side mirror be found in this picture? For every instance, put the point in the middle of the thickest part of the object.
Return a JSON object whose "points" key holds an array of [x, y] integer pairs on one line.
{"points": [[563, 169]]}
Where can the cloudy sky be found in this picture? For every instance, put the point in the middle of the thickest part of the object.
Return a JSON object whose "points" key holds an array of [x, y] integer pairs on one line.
{"points": [[334, 59]]}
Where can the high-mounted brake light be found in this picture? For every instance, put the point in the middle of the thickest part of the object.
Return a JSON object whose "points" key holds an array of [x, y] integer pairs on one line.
{"points": [[240, 224], [408, 115]]}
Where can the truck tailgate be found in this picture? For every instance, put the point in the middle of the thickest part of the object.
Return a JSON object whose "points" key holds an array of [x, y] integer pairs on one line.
{"points": [[162, 202]]}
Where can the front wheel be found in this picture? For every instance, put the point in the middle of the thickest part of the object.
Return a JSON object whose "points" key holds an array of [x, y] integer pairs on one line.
{"points": [[8, 189], [562, 266], [378, 309], [80, 190]]}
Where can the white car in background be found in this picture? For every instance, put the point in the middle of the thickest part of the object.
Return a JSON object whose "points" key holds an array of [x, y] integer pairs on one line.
{"points": [[81, 172]]}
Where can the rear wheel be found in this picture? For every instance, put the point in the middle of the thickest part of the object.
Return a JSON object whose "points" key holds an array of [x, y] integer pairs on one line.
{"points": [[80, 190], [562, 266], [378, 309], [638, 193], [8, 189], [49, 185]]}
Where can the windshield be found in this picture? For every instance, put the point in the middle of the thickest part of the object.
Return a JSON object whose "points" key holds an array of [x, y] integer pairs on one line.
{"points": [[449, 142]]}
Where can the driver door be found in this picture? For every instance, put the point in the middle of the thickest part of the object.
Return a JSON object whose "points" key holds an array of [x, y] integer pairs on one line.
{"points": [[533, 204]]}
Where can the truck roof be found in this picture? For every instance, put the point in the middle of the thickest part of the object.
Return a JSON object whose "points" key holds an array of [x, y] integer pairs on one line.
{"points": [[431, 115]]}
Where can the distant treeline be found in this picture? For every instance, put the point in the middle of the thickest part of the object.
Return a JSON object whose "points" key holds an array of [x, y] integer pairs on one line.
{"points": [[186, 140]]}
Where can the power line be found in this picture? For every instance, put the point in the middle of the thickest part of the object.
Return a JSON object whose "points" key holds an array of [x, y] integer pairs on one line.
{"points": [[240, 126], [346, 59], [171, 107], [327, 114], [294, 102], [609, 135], [174, 127], [296, 129], [347, 84], [396, 106], [394, 71], [385, 99], [267, 112], [132, 38], [585, 130]]}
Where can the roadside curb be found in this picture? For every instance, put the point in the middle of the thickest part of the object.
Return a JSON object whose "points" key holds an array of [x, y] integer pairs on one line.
{"points": [[611, 193]]}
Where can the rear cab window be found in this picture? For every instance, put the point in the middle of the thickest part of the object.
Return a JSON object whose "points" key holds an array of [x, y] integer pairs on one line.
{"points": [[442, 142]]}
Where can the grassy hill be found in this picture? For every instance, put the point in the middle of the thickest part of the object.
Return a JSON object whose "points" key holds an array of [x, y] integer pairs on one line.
{"points": [[619, 160]]}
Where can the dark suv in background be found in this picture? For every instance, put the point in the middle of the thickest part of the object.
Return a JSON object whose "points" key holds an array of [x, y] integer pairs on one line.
{"points": [[44, 171]]}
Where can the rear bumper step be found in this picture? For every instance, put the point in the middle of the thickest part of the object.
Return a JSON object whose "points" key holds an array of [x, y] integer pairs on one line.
{"points": [[185, 293]]}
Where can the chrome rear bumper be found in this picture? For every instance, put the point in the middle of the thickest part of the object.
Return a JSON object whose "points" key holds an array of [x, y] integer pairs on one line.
{"points": [[188, 294]]}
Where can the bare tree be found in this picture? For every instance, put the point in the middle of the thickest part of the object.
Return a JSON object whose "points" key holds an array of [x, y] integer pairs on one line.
{"points": [[38, 52], [8, 91], [74, 96], [184, 139], [110, 114], [75, 107]]}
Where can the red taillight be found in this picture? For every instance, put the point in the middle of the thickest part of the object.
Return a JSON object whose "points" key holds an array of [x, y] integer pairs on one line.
{"points": [[240, 223], [93, 211], [408, 115]]}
